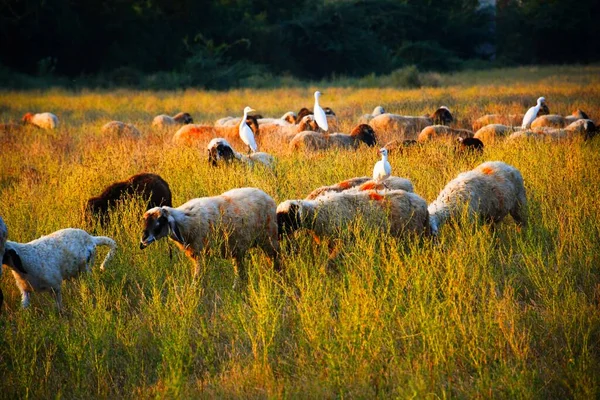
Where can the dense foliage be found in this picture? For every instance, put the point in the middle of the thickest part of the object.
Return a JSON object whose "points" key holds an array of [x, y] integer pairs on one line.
{"points": [[217, 44]]}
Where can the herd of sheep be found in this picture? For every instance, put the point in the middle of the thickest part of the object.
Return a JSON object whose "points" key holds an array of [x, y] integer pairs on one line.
{"points": [[245, 218]]}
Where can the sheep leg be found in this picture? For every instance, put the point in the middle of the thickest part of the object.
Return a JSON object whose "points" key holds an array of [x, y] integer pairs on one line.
{"points": [[241, 275], [25, 299], [58, 298], [519, 214]]}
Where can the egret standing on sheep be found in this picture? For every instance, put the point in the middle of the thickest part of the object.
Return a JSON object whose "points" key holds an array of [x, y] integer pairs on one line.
{"points": [[246, 133], [320, 116], [532, 113], [382, 169]]}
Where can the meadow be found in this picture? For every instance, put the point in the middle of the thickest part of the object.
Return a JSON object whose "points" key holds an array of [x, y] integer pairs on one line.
{"points": [[482, 313]]}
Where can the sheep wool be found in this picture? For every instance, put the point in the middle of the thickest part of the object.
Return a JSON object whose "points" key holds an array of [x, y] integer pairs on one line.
{"points": [[42, 264], [240, 218], [321, 141], [399, 210], [165, 121], [220, 150], [44, 120], [121, 129], [363, 183], [490, 191]]}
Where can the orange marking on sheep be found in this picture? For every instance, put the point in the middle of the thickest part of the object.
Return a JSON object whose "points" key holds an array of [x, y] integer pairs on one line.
{"points": [[487, 170], [368, 186], [344, 184], [375, 196]]}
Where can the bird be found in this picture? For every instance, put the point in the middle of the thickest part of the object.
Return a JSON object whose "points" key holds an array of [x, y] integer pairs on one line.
{"points": [[246, 133], [532, 113], [382, 169], [320, 116]]}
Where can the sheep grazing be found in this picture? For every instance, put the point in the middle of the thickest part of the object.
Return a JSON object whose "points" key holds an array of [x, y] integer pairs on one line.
{"points": [[3, 238], [289, 118], [219, 149], [490, 191], [164, 121], [149, 186], [511, 120], [363, 183], [365, 118], [489, 133], [190, 134], [327, 215], [120, 129], [434, 132], [241, 218], [549, 121], [408, 127], [472, 145], [42, 120], [287, 133], [583, 128], [320, 141], [41, 265]]}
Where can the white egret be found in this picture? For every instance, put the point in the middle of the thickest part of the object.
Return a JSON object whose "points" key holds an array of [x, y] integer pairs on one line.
{"points": [[320, 116], [532, 113], [246, 133], [382, 169]]}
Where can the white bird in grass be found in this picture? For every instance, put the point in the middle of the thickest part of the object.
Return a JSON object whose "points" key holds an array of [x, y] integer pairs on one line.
{"points": [[320, 116], [532, 113], [246, 133], [382, 169]]}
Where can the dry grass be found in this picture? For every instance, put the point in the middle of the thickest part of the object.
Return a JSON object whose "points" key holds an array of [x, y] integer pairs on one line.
{"points": [[479, 314]]}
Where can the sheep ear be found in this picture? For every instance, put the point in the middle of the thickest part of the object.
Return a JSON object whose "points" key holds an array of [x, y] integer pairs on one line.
{"points": [[174, 228], [12, 259]]}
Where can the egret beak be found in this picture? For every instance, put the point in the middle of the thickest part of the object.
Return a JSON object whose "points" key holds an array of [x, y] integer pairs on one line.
{"points": [[251, 110]]}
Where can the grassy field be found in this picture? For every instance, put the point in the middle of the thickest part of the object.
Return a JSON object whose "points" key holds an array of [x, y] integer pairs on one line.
{"points": [[482, 313]]}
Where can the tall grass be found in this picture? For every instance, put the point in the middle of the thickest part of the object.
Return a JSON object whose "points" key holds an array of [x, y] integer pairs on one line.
{"points": [[482, 313]]}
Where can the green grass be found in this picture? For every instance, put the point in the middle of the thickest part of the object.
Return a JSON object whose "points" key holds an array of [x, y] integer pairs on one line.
{"points": [[482, 313]]}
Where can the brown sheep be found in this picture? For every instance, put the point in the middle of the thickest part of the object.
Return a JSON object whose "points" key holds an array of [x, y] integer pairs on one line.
{"points": [[408, 127], [192, 134], [320, 141], [121, 129], [273, 132], [164, 121], [149, 186], [575, 116], [509, 120], [442, 132], [472, 145], [489, 133]]}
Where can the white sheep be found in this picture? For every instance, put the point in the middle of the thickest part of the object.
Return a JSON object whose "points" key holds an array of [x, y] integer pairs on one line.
{"points": [[44, 120], [42, 264], [273, 132], [434, 132], [165, 121], [240, 218], [328, 215], [120, 129], [220, 149], [360, 184], [583, 128], [490, 191], [308, 140], [365, 118], [490, 133]]}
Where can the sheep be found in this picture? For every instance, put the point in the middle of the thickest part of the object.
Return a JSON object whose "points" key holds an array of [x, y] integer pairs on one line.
{"points": [[320, 141], [165, 121], [287, 133], [408, 127], [490, 191], [190, 134], [332, 121], [365, 118], [584, 128], [220, 149], [549, 121], [362, 183], [120, 129], [44, 120], [575, 116], [289, 118], [473, 145], [3, 238], [150, 186], [242, 218], [441, 131], [489, 133], [514, 120], [328, 215], [42, 264]]}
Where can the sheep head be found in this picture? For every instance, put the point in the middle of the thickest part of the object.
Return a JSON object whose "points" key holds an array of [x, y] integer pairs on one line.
{"points": [[308, 123], [288, 217], [442, 116], [579, 114], [184, 118], [544, 110], [158, 223], [365, 133], [219, 149], [302, 113], [328, 111], [290, 117], [12, 259], [27, 118]]}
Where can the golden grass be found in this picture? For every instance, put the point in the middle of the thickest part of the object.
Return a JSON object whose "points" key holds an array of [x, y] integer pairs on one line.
{"points": [[479, 314]]}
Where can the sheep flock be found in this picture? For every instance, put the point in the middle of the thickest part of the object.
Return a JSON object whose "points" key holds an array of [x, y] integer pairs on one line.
{"points": [[236, 221]]}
